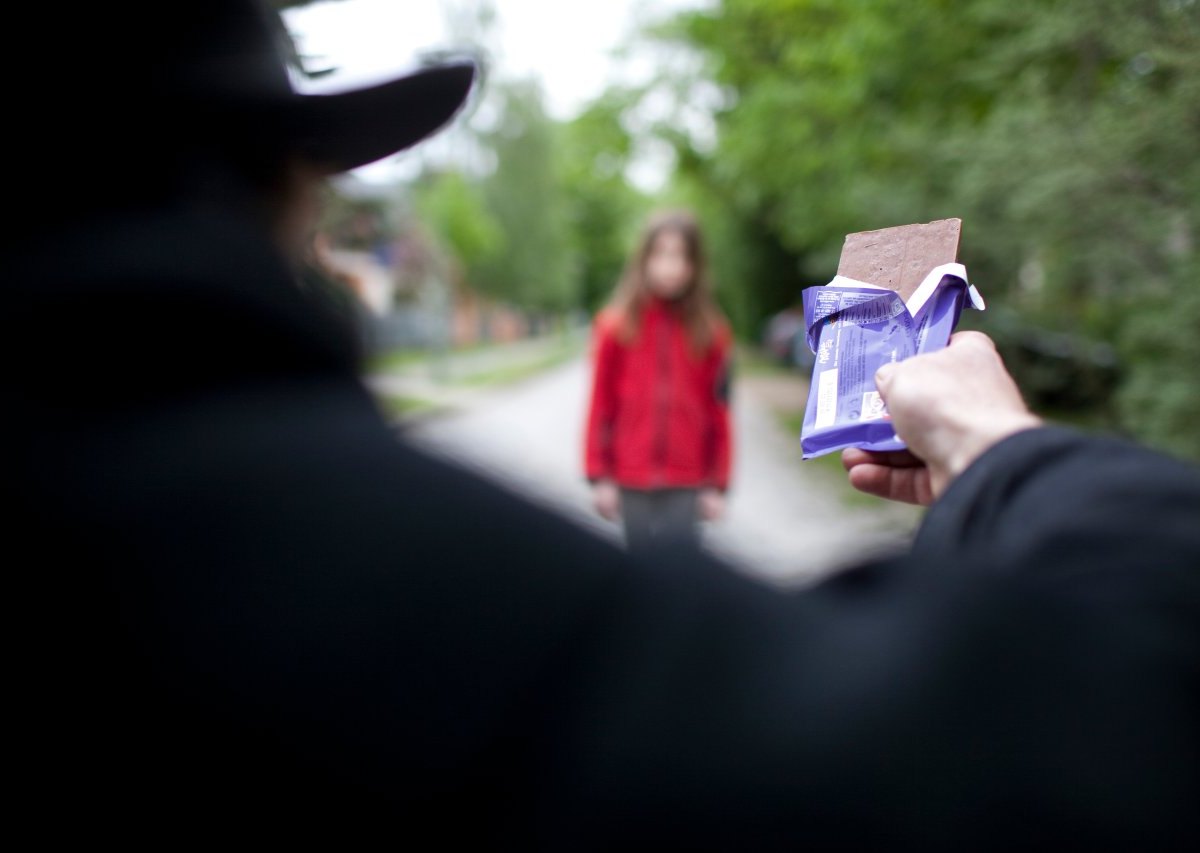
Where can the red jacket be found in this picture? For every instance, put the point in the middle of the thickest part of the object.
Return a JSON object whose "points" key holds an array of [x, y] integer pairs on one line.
{"points": [[659, 413]]}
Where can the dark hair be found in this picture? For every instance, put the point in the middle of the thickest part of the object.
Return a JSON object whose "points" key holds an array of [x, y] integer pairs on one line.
{"points": [[702, 317]]}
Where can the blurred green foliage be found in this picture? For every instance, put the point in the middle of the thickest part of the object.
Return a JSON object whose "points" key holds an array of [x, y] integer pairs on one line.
{"points": [[455, 209], [547, 228], [1064, 133], [523, 195], [594, 152]]}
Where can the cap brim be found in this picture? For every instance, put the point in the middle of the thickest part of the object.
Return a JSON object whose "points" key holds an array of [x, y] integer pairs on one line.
{"points": [[350, 129]]}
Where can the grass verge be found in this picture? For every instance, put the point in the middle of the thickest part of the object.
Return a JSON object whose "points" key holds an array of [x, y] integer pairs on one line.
{"points": [[474, 370], [402, 406], [508, 373]]}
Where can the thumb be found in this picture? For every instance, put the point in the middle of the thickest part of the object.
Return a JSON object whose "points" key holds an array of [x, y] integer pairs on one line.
{"points": [[884, 377]]}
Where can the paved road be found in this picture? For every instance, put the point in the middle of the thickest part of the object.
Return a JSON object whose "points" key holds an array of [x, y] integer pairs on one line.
{"points": [[788, 522]]}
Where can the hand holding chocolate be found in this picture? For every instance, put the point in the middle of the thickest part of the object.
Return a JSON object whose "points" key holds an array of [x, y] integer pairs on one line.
{"points": [[898, 292]]}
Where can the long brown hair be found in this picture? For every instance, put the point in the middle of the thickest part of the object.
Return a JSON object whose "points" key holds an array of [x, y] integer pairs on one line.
{"points": [[702, 317]]}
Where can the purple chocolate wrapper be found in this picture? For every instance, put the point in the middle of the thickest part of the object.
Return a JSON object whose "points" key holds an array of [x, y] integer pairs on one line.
{"points": [[853, 331]]}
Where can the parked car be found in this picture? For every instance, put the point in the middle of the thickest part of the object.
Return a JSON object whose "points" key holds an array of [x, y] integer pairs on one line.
{"points": [[784, 338]]}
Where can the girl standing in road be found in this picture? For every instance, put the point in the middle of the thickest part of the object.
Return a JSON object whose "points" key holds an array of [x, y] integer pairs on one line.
{"points": [[658, 442]]}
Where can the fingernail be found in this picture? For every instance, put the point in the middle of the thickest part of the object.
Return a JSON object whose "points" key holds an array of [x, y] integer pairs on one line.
{"points": [[884, 374]]}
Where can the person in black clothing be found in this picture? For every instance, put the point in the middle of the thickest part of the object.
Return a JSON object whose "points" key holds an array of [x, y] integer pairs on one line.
{"points": [[246, 610]]}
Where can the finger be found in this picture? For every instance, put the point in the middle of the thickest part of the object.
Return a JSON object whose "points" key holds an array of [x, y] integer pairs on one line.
{"points": [[972, 338], [883, 379], [853, 456], [908, 485]]}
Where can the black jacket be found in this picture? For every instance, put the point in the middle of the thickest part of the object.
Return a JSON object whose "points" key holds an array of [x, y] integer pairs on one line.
{"points": [[244, 609]]}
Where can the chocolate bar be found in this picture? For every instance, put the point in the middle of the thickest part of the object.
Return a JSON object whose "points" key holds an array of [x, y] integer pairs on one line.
{"points": [[899, 258], [898, 293]]}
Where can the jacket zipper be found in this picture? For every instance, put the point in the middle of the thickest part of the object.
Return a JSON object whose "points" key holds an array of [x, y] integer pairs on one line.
{"points": [[662, 393]]}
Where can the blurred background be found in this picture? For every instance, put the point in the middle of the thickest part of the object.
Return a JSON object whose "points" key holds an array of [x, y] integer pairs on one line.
{"points": [[1064, 133]]}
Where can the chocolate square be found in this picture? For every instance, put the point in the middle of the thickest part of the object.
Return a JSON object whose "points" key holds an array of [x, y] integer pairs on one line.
{"points": [[899, 258]]}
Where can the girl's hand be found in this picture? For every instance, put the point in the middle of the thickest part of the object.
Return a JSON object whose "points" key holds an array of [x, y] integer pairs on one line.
{"points": [[711, 504], [606, 499]]}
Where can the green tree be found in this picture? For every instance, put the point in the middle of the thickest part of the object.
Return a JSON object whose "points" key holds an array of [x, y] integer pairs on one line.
{"points": [[1065, 134], [535, 270], [604, 211], [453, 206]]}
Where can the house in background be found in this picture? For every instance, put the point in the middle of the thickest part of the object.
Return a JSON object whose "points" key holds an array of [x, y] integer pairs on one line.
{"points": [[411, 292]]}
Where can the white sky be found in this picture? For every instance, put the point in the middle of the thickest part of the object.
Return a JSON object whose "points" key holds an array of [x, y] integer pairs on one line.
{"points": [[568, 44]]}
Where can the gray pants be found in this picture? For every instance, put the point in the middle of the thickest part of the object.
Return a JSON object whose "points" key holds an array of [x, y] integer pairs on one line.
{"points": [[660, 517]]}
